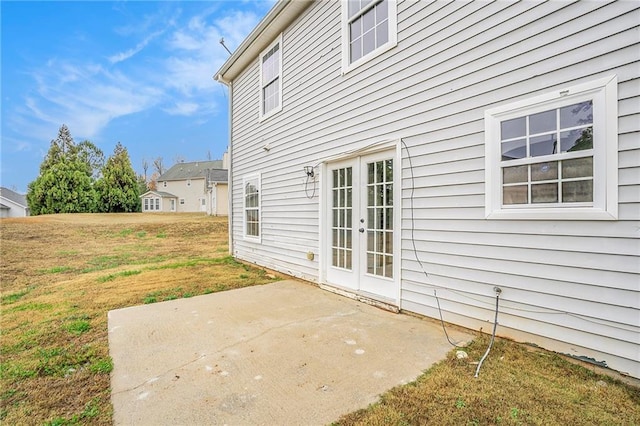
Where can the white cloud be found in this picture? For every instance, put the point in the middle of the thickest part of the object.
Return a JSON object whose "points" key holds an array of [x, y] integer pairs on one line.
{"points": [[87, 97], [182, 108], [123, 56], [197, 53]]}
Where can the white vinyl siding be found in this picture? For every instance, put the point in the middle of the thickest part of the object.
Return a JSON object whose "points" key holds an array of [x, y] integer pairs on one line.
{"points": [[567, 285]]}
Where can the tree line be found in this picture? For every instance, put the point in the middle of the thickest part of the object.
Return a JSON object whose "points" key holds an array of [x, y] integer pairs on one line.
{"points": [[75, 178]]}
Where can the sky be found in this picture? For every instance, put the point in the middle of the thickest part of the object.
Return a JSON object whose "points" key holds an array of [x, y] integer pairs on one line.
{"points": [[135, 72]]}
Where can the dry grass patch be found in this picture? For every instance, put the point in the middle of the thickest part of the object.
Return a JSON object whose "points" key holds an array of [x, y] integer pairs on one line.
{"points": [[516, 386], [61, 274]]}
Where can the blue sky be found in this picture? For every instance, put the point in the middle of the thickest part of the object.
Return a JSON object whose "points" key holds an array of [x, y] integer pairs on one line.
{"points": [[138, 72]]}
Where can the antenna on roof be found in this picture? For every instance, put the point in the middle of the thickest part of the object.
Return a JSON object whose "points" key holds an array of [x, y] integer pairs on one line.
{"points": [[223, 45]]}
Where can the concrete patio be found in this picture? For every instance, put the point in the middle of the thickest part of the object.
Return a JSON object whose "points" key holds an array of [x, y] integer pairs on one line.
{"points": [[282, 353]]}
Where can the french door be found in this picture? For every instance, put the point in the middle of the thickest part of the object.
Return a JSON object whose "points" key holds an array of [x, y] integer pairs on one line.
{"points": [[360, 207]]}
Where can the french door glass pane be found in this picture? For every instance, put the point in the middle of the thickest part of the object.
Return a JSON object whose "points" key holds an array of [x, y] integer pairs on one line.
{"points": [[342, 218], [380, 218]]}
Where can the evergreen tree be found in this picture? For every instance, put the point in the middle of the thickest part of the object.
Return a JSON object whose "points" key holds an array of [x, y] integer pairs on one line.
{"points": [[65, 183], [142, 184], [118, 189]]}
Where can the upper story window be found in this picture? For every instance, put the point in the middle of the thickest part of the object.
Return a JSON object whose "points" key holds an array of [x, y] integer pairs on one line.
{"points": [[369, 28], [554, 156], [271, 79], [251, 186], [164, 184], [188, 182]]}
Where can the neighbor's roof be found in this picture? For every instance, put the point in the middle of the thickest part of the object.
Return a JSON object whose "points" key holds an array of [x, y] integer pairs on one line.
{"points": [[283, 13], [218, 175], [161, 194], [13, 196], [197, 169]]}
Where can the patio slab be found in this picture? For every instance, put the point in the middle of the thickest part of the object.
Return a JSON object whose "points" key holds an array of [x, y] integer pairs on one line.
{"points": [[282, 353]]}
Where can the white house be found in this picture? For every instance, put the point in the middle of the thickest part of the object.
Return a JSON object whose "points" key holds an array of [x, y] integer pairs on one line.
{"points": [[430, 155], [190, 187], [13, 204]]}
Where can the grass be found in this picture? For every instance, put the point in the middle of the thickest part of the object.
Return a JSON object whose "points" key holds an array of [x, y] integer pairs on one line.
{"points": [[54, 355], [517, 385]]}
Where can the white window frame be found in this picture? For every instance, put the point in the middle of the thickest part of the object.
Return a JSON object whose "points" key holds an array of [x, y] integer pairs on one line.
{"points": [[146, 204], [264, 115], [164, 184], [348, 66], [245, 180], [604, 94], [158, 207]]}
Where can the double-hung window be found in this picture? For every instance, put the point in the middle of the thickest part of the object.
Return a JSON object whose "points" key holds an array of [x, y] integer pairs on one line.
{"points": [[251, 185], [369, 28], [554, 156], [271, 79]]}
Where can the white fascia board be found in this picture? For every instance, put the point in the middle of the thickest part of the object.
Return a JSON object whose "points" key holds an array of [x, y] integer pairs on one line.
{"points": [[283, 13]]}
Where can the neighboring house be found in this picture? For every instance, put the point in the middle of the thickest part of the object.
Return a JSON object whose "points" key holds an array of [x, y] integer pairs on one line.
{"points": [[423, 154], [13, 204], [190, 187]]}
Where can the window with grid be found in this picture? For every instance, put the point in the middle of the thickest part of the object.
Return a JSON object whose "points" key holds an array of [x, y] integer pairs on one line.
{"points": [[252, 207], [271, 79], [554, 155], [369, 27], [564, 138]]}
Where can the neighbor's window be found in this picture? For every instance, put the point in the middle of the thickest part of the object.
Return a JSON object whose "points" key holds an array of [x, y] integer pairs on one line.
{"points": [[157, 203], [271, 79], [164, 184], [554, 156], [252, 206], [188, 182], [181, 200], [369, 27], [146, 204]]}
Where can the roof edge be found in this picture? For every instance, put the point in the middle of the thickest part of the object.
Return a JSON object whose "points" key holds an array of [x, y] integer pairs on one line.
{"points": [[283, 13]]}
